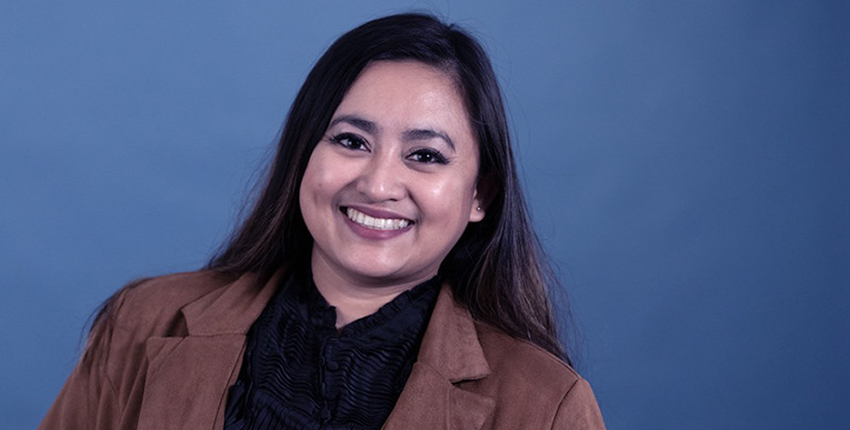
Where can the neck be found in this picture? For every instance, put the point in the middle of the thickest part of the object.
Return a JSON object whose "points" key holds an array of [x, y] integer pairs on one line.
{"points": [[355, 298]]}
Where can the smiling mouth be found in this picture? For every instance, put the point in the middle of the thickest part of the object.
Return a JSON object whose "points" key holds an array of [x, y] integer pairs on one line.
{"points": [[375, 223]]}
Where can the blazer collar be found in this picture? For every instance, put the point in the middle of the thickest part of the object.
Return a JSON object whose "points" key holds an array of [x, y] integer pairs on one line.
{"points": [[231, 309], [450, 345], [207, 361], [432, 398], [450, 354]]}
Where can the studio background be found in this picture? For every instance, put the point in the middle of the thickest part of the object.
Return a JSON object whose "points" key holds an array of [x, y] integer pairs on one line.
{"points": [[686, 164]]}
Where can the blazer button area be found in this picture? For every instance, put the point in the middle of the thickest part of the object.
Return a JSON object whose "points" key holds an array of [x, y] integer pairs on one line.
{"points": [[333, 366]]}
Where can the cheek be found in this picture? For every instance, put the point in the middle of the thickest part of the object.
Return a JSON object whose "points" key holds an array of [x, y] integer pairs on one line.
{"points": [[311, 191], [318, 179], [447, 201]]}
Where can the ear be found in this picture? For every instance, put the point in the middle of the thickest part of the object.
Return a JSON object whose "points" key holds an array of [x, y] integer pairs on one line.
{"points": [[480, 200], [476, 213]]}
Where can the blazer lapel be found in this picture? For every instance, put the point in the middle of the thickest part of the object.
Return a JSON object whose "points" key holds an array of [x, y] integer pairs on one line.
{"points": [[187, 380], [450, 354], [188, 377]]}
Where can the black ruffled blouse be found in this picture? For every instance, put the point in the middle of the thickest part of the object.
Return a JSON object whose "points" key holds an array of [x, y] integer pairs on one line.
{"points": [[299, 372]]}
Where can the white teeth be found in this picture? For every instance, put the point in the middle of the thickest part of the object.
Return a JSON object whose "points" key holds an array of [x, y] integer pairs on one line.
{"points": [[375, 223]]}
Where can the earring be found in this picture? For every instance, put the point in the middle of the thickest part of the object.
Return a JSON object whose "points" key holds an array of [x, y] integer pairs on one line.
{"points": [[478, 208]]}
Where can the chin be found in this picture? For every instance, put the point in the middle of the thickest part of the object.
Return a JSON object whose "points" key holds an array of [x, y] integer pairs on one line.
{"points": [[380, 274], [387, 275]]}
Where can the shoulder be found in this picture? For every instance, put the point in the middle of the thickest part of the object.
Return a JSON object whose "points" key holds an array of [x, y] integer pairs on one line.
{"points": [[514, 368], [518, 362], [153, 305], [521, 371]]}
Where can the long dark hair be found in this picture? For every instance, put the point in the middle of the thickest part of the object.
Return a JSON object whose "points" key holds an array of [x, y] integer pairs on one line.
{"points": [[497, 269]]}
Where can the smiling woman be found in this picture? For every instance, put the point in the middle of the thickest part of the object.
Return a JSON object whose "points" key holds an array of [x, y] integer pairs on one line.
{"points": [[387, 276]]}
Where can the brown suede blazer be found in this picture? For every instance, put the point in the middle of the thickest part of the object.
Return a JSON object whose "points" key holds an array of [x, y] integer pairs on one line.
{"points": [[176, 343]]}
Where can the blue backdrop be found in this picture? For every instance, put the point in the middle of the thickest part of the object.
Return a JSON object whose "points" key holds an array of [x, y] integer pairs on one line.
{"points": [[686, 163]]}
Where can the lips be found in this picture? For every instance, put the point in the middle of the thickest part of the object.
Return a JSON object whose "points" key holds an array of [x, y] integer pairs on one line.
{"points": [[375, 222]]}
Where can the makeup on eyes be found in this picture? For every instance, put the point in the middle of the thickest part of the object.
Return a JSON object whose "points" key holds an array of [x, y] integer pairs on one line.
{"points": [[426, 155]]}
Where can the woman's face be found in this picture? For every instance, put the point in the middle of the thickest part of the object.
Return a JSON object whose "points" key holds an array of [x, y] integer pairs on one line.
{"points": [[391, 186]]}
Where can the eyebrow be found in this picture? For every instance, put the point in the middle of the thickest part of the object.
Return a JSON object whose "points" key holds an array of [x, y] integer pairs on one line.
{"points": [[363, 124], [408, 135], [425, 134]]}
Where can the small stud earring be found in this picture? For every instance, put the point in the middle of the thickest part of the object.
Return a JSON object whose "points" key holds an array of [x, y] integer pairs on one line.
{"points": [[479, 208]]}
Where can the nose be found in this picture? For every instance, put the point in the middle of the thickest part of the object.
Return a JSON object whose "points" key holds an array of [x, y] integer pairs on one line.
{"points": [[383, 178]]}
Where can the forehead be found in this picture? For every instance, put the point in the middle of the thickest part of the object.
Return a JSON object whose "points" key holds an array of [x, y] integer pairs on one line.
{"points": [[405, 94]]}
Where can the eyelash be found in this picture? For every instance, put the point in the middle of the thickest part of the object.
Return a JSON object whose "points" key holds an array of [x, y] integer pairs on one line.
{"points": [[435, 156], [353, 142]]}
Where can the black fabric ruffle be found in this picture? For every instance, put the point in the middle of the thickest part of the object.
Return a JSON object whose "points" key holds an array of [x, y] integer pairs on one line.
{"points": [[300, 373]]}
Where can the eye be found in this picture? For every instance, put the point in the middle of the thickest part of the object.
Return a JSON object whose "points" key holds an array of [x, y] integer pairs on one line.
{"points": [[428, 156], [350, 141]]}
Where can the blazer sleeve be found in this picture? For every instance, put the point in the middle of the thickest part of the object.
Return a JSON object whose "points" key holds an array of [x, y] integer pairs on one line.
{"points": [[87, 400], [578, 410]]}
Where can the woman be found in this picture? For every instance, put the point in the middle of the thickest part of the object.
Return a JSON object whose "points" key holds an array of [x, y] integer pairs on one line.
{"points": [[387, 276]]}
